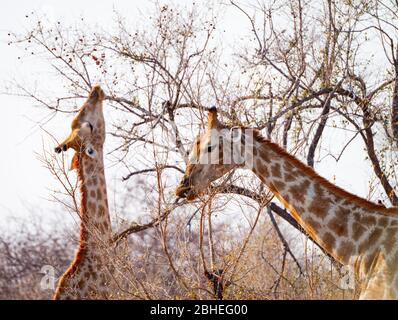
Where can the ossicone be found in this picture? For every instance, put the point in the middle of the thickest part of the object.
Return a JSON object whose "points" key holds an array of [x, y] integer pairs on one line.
{"points": [[212, 118], [213, 109]]}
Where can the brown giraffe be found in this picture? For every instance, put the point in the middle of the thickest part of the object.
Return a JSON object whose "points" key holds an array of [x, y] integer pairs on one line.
{"points": [[356, 232], [88, 276]]}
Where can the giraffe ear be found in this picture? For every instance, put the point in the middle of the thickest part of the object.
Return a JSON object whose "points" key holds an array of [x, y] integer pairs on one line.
{"points": [[212, 121], [75, 162]]}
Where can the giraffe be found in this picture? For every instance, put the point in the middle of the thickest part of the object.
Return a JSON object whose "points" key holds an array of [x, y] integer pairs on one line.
{"points": [[88, 276], [356, 232]]}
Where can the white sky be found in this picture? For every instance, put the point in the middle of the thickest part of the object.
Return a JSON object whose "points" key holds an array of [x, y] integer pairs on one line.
{"points": [[24, 183]]}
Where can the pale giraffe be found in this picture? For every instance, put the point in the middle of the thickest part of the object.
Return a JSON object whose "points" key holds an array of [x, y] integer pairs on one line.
{"points": [[88, 276], [354, 231]]}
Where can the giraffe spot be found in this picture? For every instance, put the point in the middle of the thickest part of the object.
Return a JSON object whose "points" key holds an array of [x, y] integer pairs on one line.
{"points": [[339, 223], [296, 193], [312, 223], [289, 176], [375, 235], [382, 222], [105, 224], [287, 166], [304, 186], [319, 208], [279, 184], [368, 219], [92, 206], [390, 240], [90, 168], [299, 209], [92, 194], [87, 275], [99, 194], [90, 269], [264, 155], [342, 212], [319, 192], [81, 284], [261, 168], [357, 230], [276, 170], [371, 240], [93, 180], [320, 205], [346, 249], [329, 241], [101, 210]]}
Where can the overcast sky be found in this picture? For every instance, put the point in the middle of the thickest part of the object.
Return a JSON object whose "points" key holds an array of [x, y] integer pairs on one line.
{"points": [[24, 183]]}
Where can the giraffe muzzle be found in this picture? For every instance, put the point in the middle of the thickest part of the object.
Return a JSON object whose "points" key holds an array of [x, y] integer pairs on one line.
{"points": [[186, 192], [184, 188], [182, 191], [59, 149]]}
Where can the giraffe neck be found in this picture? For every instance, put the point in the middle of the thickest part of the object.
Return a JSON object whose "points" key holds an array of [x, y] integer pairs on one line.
{"points": [[349, 228], [95, 227], [88, 276], [353, 230]]}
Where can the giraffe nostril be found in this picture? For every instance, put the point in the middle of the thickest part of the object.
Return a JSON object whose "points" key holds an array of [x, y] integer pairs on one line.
{"points": [[57, 149], [64, 147]]}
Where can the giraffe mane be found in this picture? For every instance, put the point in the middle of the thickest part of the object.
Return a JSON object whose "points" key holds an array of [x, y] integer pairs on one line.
{"points": [[321, 180]]}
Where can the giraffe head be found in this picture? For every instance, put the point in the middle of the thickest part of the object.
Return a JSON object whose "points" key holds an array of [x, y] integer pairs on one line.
{"points": [[214, 153], [88, 128]]}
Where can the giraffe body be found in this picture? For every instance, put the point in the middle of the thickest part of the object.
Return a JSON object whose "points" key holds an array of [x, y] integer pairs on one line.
{"points": [[354, 231], [89, 275]]}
